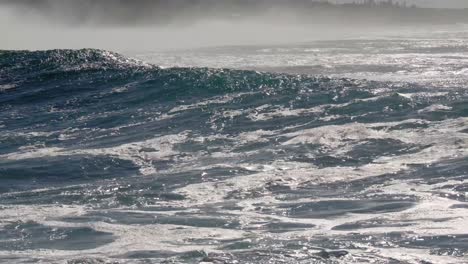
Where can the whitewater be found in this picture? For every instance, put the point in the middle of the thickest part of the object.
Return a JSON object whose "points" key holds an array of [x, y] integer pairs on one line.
{"points": [[337, 151]]}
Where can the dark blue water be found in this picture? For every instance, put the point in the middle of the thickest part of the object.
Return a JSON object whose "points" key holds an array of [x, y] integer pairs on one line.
{"points": [[105, 159]]}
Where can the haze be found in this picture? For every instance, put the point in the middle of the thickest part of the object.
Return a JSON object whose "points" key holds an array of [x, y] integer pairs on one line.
{"points": [[163, 24]]}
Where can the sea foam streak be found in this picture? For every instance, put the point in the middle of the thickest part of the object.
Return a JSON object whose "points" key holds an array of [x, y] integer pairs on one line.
{"points": [[225, 166]]}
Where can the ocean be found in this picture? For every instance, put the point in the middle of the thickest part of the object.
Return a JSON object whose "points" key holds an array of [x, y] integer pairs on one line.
{"points": [[334, 151]]}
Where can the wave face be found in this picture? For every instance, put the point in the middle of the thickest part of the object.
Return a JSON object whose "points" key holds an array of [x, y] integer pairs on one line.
{"points": [[108, 159]]}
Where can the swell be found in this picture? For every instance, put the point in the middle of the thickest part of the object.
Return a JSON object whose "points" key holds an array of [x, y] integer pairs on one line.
{"points": [[95, 91], [45, 76], [198, 148]]}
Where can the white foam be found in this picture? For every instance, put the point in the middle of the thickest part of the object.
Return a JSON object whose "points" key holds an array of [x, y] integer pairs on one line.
{"points": [[434, 108], [5, 87], [159, 148], [212, 101]]}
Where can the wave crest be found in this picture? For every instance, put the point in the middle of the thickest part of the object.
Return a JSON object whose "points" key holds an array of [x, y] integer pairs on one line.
{"points": [[23, 65]]}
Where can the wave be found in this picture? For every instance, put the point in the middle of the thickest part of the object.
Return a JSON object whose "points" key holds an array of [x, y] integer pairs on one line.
{"points": [[34, 63], [200, 148], [45, 74], [99, 101]]}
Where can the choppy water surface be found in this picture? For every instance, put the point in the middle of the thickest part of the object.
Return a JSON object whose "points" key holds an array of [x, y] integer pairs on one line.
{"points": [[351, 152]]}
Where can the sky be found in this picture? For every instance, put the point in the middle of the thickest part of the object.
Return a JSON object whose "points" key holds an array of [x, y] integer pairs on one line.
{"points": [[442, 3], [163, 24], [426, 3]]}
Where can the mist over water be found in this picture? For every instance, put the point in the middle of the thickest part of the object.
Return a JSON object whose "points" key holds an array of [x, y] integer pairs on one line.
{"points": [[156, 25]]}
